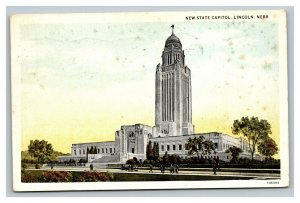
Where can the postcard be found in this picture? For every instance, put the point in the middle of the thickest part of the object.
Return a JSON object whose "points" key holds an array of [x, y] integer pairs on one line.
{"points": [[149, 100]]}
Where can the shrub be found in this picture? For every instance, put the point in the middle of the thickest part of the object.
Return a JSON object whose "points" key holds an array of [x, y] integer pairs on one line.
{"points": [[93, 176], [37, 166], [130, 161], [146, 161], [24, 166], [28, 177], [82, 161], [175, 159], [135, 160], [57, 176]]}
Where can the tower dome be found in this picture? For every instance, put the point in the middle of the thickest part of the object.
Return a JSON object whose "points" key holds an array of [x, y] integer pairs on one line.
{"points": [[172, 40]]}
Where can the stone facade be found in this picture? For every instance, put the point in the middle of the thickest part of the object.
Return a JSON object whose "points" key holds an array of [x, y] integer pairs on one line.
{"points": [[131, 141], [222, 142], [173, 119], [173, 92], [80, 151]]}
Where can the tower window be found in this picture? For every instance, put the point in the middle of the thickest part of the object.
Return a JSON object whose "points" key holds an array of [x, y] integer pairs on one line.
{"points": [[180, 147], [110, 150], [164, 131], [131, 134], [98, 151], [132, 150], [83, 151], [102, 150], [168, 147], [106, 150], [75, 151], [162, 148], [174, 147]]}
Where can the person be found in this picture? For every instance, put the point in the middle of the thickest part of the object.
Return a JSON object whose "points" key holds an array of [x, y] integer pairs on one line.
{"points": [[176, 168], [151, 167], [218, 162], [214, 166], [171, 168], [91, 167], [163, 168]]}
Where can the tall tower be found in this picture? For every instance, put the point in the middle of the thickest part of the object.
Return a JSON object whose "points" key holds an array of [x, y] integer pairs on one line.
{"points": [[173, 92]]}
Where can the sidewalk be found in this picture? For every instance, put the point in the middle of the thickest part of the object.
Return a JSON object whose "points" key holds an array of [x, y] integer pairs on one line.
{"points": [[200, 172]]}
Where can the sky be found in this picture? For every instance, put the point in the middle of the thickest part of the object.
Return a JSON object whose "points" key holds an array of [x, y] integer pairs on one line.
{"points": [[81, 82]]}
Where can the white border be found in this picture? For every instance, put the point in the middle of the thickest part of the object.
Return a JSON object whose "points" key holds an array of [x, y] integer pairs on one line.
{"points": [[144, 17], [40, 197]]}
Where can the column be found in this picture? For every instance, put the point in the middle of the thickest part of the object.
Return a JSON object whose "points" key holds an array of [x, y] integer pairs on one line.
{"points": [[163, 99], [167, 100], [171, 98]]}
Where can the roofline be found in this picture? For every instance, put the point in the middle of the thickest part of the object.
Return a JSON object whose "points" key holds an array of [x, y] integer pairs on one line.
{"points": [[196, 134], [137, 124], [92, 142]]}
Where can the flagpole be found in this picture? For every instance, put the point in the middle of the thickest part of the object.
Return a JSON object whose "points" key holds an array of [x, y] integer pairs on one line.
{"points": [[172, 29]]}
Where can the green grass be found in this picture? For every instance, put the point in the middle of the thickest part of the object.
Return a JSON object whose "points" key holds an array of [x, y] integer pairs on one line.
{"points": [[36, 176], [171, 177]]}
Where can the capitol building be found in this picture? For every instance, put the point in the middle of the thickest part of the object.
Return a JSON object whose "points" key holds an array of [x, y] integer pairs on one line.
{"points": [[173, 120]]}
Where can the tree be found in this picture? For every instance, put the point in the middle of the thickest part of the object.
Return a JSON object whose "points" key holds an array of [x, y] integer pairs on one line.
{"points": [[155, 150], [235, 152], [149, 151], [165, 158], [268, 147], [208, 146], [253, 129], [40, 149], [27, 158], [195, 145]]}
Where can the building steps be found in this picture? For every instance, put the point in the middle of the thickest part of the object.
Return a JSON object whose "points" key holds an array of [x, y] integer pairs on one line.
{"points": [[107, 159]]}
